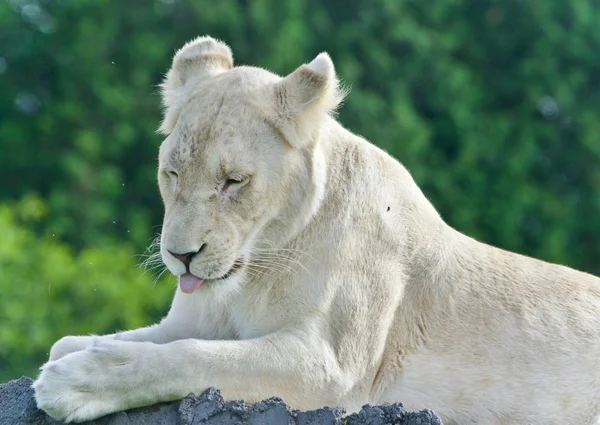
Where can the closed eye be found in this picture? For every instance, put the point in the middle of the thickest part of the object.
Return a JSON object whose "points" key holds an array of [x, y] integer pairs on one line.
{"points": [[172, 177], [235, 183]]}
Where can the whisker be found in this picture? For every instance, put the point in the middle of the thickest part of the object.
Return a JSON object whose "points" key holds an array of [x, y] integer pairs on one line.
{"points": [[157, 278], [283, 259], [275, 248], [152, 259], [281, 268]]}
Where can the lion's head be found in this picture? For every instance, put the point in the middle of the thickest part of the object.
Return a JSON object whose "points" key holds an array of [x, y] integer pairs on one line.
{"points": [[241, 166]]}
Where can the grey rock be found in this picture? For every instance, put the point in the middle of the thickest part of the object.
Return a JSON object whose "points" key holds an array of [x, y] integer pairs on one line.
{"points": [[17, 407], [324, 416], [386, 414]]}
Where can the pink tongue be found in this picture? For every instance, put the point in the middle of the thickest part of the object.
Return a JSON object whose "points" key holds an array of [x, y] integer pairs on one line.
{"points": [[189, 283]]}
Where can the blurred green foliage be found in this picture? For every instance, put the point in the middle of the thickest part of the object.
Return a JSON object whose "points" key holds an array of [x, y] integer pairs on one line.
{"points": [[49, 291], [492, 105]]}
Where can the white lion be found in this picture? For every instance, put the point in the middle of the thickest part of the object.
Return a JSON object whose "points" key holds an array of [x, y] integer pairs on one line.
{"points": [[312, 267]]}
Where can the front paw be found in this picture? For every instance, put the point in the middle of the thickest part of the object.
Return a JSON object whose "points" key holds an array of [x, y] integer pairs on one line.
{"points": [[70, 344], [86, 384]]}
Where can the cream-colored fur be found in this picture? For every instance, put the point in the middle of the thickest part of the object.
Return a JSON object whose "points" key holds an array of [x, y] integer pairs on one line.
{"points": [[351, 290]]}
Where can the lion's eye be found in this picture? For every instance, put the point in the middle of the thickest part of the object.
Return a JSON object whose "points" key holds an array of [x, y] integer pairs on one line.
{"points": [[235, 183], [172, 175]]}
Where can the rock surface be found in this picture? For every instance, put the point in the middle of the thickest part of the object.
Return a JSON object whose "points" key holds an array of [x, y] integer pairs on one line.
{"points": [[17, 407]]}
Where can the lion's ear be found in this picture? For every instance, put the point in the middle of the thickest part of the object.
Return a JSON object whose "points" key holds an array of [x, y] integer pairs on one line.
{"points": [[303, 99], [198, 59]]}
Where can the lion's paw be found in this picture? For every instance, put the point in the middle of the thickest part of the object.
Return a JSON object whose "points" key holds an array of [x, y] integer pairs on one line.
{"points": [[70, 344], [83, 385]]}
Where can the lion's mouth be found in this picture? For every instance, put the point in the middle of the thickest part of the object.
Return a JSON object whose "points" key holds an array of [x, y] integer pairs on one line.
{"points": [[236, 267], [189, 283]]}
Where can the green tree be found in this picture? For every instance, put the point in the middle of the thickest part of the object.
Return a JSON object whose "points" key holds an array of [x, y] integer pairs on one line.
{"points": [[49, 291]]}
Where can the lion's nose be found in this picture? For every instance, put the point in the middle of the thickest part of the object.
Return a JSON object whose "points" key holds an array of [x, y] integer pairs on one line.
{"points": [[186, 258]]}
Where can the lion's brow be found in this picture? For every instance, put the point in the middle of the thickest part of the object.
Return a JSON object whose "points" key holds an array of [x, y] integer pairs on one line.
{"points": [[186, 148]]}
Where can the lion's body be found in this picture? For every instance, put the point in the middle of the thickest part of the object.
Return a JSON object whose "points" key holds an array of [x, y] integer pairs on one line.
{"points": [[352, 288]]}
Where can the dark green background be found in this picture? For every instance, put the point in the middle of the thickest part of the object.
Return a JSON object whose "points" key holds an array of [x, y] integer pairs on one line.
{"points": [[492, 105]]}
